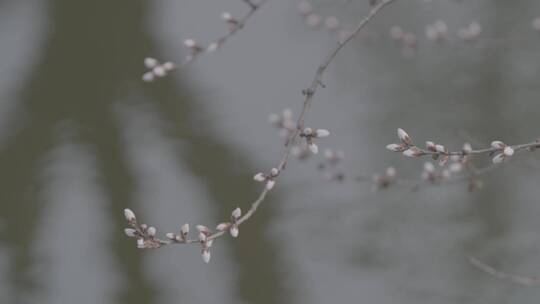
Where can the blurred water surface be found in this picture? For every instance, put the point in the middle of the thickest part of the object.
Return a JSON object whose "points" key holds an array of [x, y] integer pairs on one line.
{"points": [[82, 138]]}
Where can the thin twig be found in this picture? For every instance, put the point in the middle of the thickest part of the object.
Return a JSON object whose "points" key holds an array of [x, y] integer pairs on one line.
{"points": [[150, 241], [519, 279]]}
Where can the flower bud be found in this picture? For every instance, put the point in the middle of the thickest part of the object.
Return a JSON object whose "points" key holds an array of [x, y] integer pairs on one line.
{"points": [[313, 148], [150, 62], [151, 231], [403, 136], [260, 177], [234, 231], [508, 151], [130, 232], [274, 172], [237, 213], [321, 133], [148, 77], [184, 229], [171, 236], [270, 184], [130, 216], [206, 255], [497, 144], [222, 226]]}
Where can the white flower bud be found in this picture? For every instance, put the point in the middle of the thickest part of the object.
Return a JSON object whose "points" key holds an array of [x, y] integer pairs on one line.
{"points": [[205, 255], [222, 226], [168, 66], [430, 145], [151, 231], [208, 243], [321, 133], [270, 184], [202, 228], [274, 172], [184, 229], [403, 136], [130, 232], [440, 148], [171, 236], [159, 71], [234, 231], [148, 77], [190, 43], [144, 227], [395, 147], [237, 213], [202, 237], [412, 152], [227, 17], [150, 62], [467, 148], [130, 216], [497, 144], [140, 243], [260, 177], [508, 151], [308, 131], [313, 148]]}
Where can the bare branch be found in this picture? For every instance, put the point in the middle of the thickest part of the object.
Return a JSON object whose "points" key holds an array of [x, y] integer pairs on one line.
{"points": [[519, 279]]}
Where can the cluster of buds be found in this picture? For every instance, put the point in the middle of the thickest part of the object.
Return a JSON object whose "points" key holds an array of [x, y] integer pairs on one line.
{"points": [[145, 235], [405, 146], [407, 40], [269, 178], [309, 134], [502, 152], [156, 69], [332, 159], [313, 20], [194, 48], [437, 31], [284, 122], [383, 181], [439, 152], [206, 242], [181, 237], [471, 32], [231, 226]]}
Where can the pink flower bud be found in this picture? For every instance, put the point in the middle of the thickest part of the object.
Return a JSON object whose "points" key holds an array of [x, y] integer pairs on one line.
{"points": [[508, 151], [270, 184], [237, 213], [440, 148], [184, 229], [499, 158], [206, 255], [140, 243], [497, 144], [151, 231], [148, 77], [396, 147], [412, 152], [171, 236], [234, 231], [403, 136], [150, 62], [222, 226], [159, 71]]}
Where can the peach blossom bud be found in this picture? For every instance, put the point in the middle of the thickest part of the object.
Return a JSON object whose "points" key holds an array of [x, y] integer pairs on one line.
{"points": [[151, 231], [259, 177], [308, 131], [222, 226], [148, 77], [171, 236], [430, 146], [237, 213], [274, 172], [184, 229], [150, 62], [190, 43], [270, 184], [140, 243], [144, 227], [322, 133], [202, 229], [206, 255], [497, 144], [168, 66], [467, 148], [403, 136], [130, 216], [412, 152], [508, 151], [130, 232], [313, 148], [395, 147], [227, 17], [234, 231], [202, 237], [440, 148], [159, 71]]}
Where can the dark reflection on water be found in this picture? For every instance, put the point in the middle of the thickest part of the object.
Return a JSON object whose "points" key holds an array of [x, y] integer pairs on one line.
{"points": [[91, 58]]}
